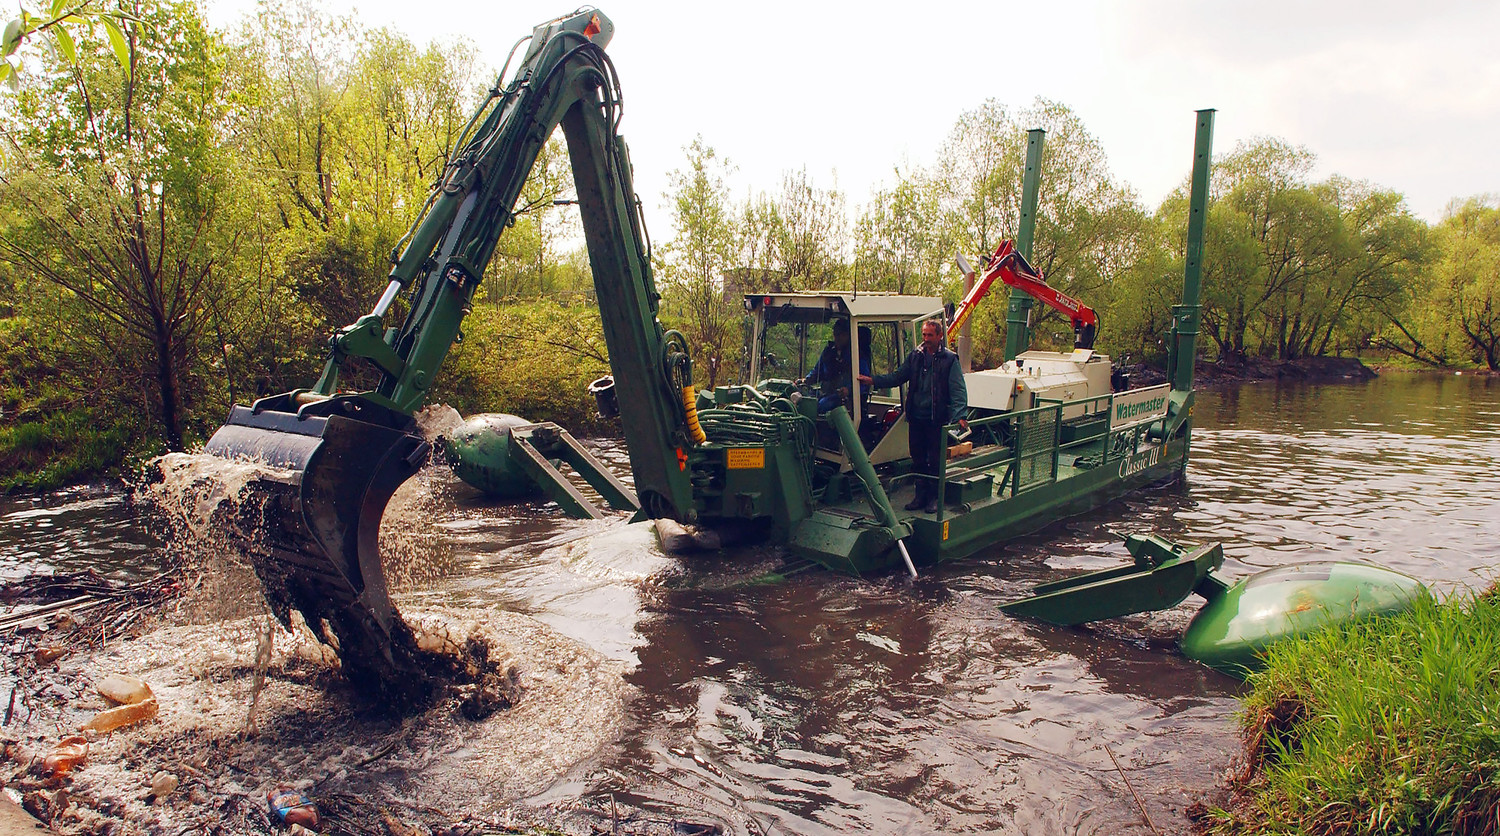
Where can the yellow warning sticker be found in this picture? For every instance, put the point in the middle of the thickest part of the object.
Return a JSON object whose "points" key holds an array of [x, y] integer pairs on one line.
{"points": [[745, 458], [945, 529]]}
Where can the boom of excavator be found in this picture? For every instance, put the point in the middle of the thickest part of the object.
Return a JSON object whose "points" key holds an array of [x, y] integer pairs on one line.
{"points": [[338, 456]]}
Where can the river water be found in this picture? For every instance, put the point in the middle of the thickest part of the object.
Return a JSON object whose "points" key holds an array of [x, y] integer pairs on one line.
{"points": [[829, 704]]}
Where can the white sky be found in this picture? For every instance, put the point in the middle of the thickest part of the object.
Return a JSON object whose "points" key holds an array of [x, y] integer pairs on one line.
{"points": [[1406, 95]]}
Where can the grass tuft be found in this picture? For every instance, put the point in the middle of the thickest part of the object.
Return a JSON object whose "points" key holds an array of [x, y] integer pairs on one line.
{"points": [[60, 448], [1385, 726]]}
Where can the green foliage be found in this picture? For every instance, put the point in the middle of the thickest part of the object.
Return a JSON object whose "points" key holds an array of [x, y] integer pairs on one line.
{"points": [[1295, 268], [347, 130], [902, 243], [120, 207], [1089, 229], [692, 265], [50, 433], [531, 258], [795, 240], [61, 19], [531, 359], [1457, 317], [1388, 726], [62, 448]]}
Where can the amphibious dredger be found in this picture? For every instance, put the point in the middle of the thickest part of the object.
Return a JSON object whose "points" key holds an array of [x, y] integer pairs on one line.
{"points": [[1050, 438]]}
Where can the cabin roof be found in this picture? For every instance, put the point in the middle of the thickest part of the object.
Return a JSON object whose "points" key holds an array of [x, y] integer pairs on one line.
{"points": [[862, 304]]}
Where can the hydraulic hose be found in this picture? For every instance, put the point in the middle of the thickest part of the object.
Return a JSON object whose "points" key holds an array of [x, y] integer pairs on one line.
{"points": [[690, 407]]}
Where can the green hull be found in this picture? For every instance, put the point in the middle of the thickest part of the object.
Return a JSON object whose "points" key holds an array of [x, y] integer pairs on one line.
{"points": [[1232, 631], [990, 524], [845, 537]]}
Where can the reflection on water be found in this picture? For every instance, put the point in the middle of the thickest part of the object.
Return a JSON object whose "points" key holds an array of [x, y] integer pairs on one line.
{"points": [[836, 705], [90, 527]]}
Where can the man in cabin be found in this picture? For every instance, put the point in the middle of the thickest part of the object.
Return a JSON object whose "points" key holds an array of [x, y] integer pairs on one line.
{"points": [[833, 366], [935, 398]]}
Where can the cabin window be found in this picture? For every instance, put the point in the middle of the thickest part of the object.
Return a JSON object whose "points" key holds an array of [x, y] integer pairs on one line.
{"points": [[887, 350]]}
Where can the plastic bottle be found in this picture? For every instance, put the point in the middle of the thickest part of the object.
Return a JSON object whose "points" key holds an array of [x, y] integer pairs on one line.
{"points": [[122, 715], [71, 752]]}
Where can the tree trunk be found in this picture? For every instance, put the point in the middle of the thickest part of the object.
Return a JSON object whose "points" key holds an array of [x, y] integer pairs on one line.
{"points": [[171, 395]]}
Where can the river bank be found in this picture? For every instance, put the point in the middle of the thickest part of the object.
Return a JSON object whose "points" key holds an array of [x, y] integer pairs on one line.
{"points": [[1383, 727], [73, 455]]}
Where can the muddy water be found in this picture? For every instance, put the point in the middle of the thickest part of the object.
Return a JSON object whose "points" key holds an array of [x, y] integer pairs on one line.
{"points": [[833, 705]]}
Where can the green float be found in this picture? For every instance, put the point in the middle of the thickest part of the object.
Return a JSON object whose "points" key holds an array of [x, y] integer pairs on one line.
{"points": [[479, 453], [1233, 630]]}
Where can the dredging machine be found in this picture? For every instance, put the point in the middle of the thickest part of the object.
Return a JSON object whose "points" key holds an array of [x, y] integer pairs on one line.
{"points": [[1051, 437]]}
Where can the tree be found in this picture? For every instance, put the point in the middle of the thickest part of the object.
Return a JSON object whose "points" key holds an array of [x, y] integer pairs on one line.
{"points": [[1383, 251], [530, 259], [64, 21], [1470, 275], [1296, 268], [349, 130], [796, 240], [693, 263], [1089, 229], [901, 241], [120, 206], [1261, 242]]}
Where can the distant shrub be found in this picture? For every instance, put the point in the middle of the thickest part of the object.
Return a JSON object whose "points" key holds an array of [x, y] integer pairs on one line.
{"points": [[60, 448], [533, 359]]}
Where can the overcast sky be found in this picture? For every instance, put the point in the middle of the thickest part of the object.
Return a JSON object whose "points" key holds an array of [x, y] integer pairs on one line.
{"points": [[1404, 95]]}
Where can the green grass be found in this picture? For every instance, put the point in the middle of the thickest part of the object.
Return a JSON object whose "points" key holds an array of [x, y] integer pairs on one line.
{"points": [[1387, 726], [61, 448]]}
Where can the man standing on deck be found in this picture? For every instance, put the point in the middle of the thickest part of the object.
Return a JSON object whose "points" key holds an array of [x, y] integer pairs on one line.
{"points": [[935, 397]]}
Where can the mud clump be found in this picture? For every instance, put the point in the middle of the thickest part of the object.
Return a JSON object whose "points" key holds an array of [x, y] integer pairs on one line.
{"points": [[236, 530], [483, 679], [1272, 728]]}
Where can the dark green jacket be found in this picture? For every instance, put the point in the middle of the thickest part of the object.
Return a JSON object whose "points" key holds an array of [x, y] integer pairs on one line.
{"points": [[936, 390]]}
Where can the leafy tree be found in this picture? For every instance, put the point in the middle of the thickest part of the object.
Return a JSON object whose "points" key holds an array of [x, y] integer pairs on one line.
{"points": [[1089, 228], [120, 205], [64, 21], [532, 257], [1383, 250], [1295, 268], [1470, 275], [980, 176], [902, 243], [796, 240], [1260, 241], [693, 263], [348, 129], [534, 359]]}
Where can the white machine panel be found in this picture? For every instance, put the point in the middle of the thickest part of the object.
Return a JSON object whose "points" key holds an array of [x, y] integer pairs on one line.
{"points": [[1016, 385]]}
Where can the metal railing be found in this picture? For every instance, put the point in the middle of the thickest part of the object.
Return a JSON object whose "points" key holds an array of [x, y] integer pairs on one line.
{"points": [[1035, 448]]}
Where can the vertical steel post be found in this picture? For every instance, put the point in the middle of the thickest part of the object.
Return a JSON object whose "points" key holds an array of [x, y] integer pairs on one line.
{"points": [[1018, 317], [965, 344], [1185, 316]]}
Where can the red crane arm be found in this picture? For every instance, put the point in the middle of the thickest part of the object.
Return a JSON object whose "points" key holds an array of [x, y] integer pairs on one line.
{"points": [[1011, 268]]}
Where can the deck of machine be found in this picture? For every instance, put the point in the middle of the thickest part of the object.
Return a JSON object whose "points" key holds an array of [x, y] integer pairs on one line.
{"points": [[1047, 468]]}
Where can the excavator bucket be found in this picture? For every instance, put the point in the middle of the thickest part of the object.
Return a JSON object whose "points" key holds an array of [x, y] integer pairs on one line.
{"points": [[310, 528]]}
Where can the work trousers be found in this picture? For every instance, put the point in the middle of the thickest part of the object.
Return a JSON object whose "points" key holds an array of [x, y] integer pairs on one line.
{"points": [[925, 439]]}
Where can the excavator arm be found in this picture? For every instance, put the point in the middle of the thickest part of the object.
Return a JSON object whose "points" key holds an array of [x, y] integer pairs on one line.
{"points": [[336, 457], [1011, 267]]}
